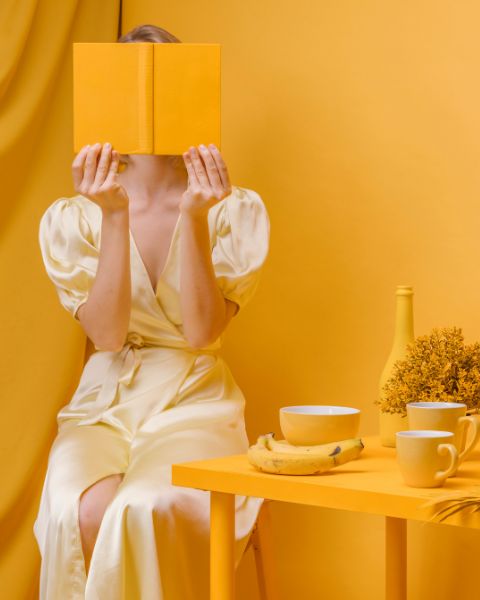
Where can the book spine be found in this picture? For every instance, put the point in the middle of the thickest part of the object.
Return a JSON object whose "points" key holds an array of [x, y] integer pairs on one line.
{"points": [[145, 108]]}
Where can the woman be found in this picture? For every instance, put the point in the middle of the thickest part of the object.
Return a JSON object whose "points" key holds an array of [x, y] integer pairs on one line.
{"points": [[181, 251]]}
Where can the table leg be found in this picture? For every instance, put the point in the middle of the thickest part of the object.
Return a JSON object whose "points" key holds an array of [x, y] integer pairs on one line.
{"points": [[222, 546], [395, 558]]}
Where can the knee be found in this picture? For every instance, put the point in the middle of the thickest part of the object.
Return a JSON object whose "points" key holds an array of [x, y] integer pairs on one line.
{"points": [[93, 502], [90, 515]]}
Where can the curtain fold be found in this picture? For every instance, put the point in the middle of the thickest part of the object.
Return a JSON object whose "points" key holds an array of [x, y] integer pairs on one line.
{"points": [[43, 351]]}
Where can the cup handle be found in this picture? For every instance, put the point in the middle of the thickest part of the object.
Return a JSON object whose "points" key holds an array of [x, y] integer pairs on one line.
{"points": [[444, 449], [470, 423]]}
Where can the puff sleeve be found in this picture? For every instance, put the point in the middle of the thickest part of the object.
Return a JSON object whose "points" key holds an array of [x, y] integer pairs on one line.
{"points": [[68, 251], [242, 245]]}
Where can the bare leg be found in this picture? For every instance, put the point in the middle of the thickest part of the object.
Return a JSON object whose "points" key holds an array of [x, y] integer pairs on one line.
{"points": [[93, 503]]}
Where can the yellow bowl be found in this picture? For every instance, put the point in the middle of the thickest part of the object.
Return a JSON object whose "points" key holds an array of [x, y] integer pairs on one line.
{"points": [[318, 424]]}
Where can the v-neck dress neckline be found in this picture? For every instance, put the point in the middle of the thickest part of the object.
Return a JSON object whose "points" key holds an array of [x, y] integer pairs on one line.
{"points": [[167, 260]]}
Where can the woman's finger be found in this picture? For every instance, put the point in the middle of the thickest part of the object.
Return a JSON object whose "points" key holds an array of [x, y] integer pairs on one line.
{"points": [[221, 166], [113, 170], [212, 171], [103, 165], [90, 166], [199, 168], [192, 176], [78, 166]]}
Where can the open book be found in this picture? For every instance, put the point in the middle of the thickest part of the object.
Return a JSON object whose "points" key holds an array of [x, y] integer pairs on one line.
{"points": [[145, 97]]}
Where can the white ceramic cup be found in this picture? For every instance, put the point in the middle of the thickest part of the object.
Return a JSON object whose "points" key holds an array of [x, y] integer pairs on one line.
{"points": [[426, 457], [446, 416]]}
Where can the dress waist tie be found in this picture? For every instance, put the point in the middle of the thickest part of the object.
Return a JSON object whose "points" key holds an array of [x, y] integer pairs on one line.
{"points": [[108, 391]]}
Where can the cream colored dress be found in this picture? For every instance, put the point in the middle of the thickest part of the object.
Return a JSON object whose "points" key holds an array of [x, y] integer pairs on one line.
{"points": [[156, 402]]}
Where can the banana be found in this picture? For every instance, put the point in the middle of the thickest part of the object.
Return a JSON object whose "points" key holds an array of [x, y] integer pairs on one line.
{"points": [[324, 458], [283, 446]]}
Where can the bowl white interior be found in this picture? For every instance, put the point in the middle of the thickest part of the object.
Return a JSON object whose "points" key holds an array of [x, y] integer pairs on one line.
{"points": [[320, 410]]}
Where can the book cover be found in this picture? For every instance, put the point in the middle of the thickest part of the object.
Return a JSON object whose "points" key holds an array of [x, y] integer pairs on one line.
{"points": [[146, 98]]}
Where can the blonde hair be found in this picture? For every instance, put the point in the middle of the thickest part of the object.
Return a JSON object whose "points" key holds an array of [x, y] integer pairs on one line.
{"points": [[148, 33], [155, 34]]}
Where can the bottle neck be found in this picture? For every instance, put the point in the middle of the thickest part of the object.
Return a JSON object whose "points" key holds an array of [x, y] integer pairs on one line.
{"points": [[404, 320]]}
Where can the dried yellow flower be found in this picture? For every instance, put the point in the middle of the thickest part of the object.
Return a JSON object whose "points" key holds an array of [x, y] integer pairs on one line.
{"points": [[438, 367]]}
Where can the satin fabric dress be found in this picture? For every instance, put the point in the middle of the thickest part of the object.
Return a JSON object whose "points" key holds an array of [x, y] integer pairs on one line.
{"points": [[156, 402]]}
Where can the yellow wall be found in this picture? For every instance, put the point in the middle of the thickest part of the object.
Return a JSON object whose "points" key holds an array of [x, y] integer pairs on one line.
{"points": [[359, 125]]}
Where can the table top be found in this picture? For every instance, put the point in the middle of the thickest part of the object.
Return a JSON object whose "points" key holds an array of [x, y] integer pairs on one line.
{"points": [[371, 484]]}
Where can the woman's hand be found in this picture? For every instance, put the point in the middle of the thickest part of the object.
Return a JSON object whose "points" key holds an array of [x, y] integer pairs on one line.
{"points": [[208, 180], [98, 182]]}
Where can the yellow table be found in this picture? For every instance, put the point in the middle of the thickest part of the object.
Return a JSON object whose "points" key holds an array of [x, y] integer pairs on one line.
{"points": [[371, 484]]}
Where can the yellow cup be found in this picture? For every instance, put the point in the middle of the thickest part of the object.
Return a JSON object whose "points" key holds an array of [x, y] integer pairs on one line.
{"points": [[446, 416], [422, 457]]}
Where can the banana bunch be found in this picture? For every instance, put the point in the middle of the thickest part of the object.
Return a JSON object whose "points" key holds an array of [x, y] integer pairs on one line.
{"points": [[278, 456]]}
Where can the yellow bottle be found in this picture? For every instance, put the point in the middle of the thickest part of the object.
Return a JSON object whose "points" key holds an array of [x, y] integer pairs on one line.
{"points": [[390, 423]]}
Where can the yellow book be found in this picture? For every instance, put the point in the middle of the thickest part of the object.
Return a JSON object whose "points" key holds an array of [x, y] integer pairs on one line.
{"points": [[145, 97]]}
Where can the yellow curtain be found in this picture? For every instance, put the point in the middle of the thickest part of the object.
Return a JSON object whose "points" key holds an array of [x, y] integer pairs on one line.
{"points": [[43, 348]]}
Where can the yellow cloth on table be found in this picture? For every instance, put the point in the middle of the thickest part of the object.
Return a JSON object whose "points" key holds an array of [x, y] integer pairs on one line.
{"points": [[137, 411]]}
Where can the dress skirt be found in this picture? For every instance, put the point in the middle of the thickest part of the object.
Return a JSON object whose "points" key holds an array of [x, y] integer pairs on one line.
{"points": [[153, 542]]}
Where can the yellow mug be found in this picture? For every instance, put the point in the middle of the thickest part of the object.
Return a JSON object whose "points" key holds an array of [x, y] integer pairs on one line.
{"points": [[421, 457], [446, 416]]}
